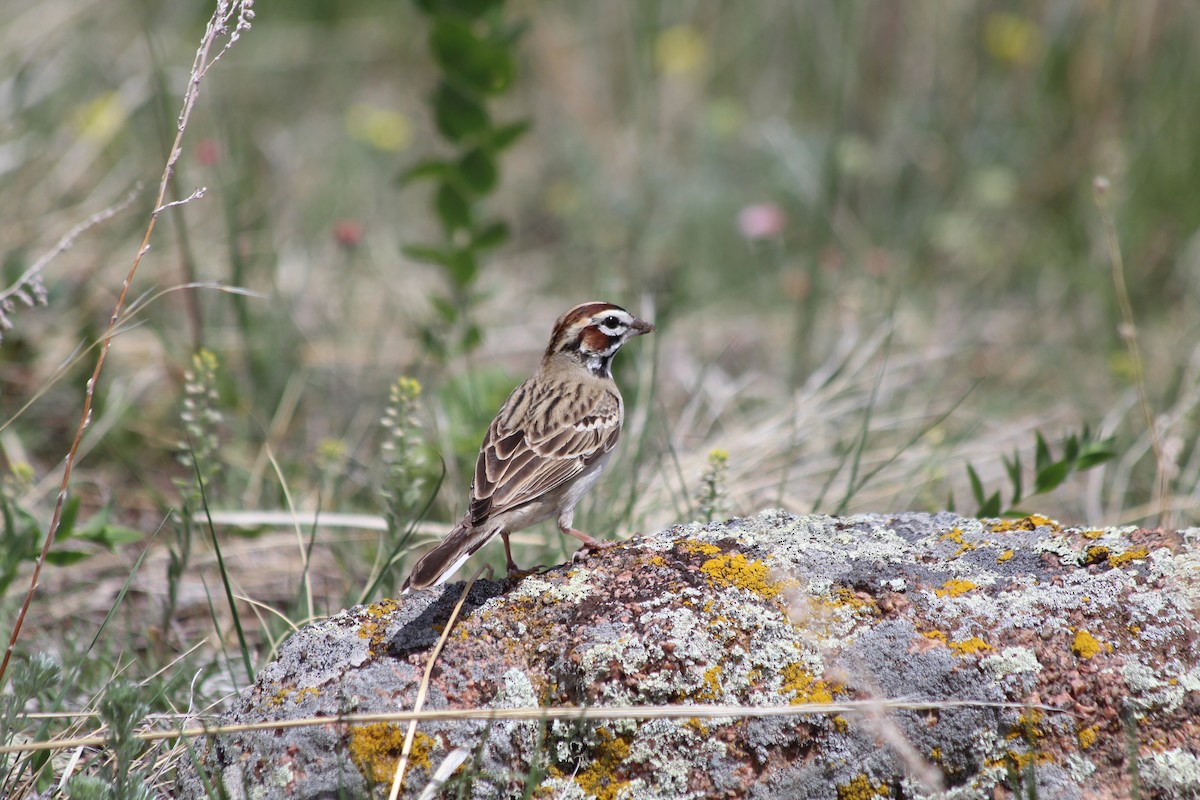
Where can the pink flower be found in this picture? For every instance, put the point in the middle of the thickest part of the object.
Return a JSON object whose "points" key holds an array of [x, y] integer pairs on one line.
{"points": [[348, 233], [208, 152], [761, 221]]}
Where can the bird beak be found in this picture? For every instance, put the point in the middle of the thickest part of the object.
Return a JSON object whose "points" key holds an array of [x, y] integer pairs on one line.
{"points": [[640, 326]]}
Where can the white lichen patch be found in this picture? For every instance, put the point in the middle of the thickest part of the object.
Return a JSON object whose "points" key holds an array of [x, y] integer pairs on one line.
{"points": [[516, 691], [662, 744], [564, 789], [1148, 691], [1061, 547], [1173, 771], [1011, 661], [577, 587]]}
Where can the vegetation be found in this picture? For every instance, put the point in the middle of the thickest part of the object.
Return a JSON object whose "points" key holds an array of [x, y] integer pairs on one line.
{"points": [[894, 252]]}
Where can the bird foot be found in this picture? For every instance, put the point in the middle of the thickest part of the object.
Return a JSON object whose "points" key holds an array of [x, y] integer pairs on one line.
{"points": [[591, 547]]}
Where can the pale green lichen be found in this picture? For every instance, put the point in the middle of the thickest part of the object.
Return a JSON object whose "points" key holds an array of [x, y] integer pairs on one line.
{"points": [[1173, 771], [578, 587], [1148, 691], [1010, 661]]}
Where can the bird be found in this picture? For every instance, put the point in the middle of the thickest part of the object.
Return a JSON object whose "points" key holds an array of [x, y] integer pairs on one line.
{"points": [[547, 445]]}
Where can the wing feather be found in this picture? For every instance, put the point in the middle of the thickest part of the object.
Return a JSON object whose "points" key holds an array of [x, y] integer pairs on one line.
{"points": [[535, 447]]}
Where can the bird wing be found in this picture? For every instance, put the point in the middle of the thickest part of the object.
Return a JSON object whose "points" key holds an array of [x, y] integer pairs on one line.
{"points": [[535, 445]]}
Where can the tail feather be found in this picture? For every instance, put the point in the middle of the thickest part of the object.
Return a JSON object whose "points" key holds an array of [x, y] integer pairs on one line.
{"points": [[441, 562]]}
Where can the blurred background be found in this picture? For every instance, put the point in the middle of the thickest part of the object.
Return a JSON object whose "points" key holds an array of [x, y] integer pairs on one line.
{"points": [[878, 240]]}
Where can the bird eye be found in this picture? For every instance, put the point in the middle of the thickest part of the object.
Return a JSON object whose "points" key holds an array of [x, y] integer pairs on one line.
{"points": [[611, 322]]}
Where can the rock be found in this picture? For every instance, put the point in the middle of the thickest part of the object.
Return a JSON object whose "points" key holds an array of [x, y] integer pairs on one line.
{"points": [[1093, 633]]}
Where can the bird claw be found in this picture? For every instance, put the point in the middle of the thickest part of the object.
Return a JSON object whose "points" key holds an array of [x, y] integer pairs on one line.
{"points": [[592, 547]]}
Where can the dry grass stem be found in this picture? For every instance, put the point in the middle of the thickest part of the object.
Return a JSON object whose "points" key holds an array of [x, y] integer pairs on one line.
{"points": [[550, 713]]}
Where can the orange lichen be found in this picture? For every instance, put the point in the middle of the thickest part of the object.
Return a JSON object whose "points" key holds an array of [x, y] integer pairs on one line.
{"points": [[954, 587], [597, 780], [737, 570], [1032, 522], [1129, 555], [1085, 645], [375, 750], [861, 788], [1005, 556], [805, 688]]}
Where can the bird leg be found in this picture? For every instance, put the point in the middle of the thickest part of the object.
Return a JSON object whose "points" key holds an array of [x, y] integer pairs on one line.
{"points": [[512, 565], [590, 544]]}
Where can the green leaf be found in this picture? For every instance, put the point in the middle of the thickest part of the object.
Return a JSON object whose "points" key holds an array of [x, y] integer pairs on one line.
{"points": [[1051, 477], [506, 135], [1094, 454], [1013, 467], [63, 558], [445, 309], [976, 485], [475, 62], [1043, 458], [1072, 449], [490, 236], [452, 208], [472, 337], [991, 508], [458, 114], [430, 168], [478, 170], [426, 254], [462, 267], [469, 8], [113, 536], [66, 522]]}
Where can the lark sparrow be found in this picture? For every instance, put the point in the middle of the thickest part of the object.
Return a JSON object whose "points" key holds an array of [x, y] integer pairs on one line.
{"points": [[548, 444]]}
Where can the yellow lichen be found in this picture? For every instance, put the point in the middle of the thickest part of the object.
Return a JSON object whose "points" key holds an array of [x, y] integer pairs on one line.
{"points": [[1085, 645], [861, 788], [1096, 554], [1087, 736], [1029, 726], [737, 570], [1005, 556], [597, 780], [656, 561], [1032, 522], [956, 536], [1129, 555], [954, 587], [969, 646], [937, 636], [702, 548], [711, 689], [373, 628], [1092, 534], [805, 688], [848, 598], [375, 750]]}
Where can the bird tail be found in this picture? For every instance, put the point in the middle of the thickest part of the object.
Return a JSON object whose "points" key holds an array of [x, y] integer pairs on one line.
{"points": [[444, 560]]}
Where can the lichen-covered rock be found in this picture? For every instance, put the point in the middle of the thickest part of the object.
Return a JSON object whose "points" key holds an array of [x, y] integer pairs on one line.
{"points": [[1099, 625]]}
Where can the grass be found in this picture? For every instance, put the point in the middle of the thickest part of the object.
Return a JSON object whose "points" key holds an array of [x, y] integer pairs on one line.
{"points": [[939, 285]]}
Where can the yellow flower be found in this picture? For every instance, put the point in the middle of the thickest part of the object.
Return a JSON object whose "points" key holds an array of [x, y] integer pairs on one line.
{"points": [[381, 128]]}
